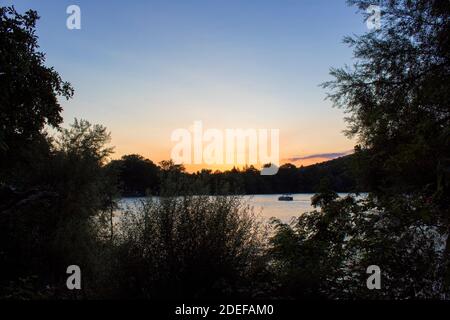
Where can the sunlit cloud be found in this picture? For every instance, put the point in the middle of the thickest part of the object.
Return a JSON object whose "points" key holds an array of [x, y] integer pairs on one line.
{"points": [[324, 156]]}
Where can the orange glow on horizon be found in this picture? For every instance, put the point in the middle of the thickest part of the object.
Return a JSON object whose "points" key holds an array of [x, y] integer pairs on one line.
{"points": [[306, 162], [192, 168]]}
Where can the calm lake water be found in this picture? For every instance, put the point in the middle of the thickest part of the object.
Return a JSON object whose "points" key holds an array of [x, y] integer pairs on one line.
{"points": [[267, 205]]}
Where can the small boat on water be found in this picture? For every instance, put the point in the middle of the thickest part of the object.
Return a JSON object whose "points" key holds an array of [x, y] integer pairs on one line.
{"points": [[285, 197]]}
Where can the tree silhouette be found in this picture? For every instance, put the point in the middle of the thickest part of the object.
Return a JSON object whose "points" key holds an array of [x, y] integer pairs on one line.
{"points": [[29, 89]]}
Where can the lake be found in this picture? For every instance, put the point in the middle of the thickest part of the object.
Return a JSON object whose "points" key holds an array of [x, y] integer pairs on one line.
{"points": [[267, 205]]}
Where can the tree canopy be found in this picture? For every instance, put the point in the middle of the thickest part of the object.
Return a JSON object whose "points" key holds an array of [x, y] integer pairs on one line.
{"points": [[29, 90], [397, 94]]}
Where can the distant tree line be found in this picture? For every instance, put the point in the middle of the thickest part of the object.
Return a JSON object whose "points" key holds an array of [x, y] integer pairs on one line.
{"points": [[138, 177]]}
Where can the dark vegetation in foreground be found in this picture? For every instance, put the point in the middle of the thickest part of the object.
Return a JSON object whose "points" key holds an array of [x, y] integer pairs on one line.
{"points": [[58, 195]]}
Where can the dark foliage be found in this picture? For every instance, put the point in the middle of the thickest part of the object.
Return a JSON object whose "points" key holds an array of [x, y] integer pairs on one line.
{"points": [[29, 89], [191, 247], [57, 196], [397, 98], [139, 177]]}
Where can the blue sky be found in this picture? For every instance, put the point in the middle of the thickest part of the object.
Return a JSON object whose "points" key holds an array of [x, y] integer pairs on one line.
{"points": [[145, 68]]}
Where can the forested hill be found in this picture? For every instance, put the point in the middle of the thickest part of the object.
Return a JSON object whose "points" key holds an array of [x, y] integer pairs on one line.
{"points": [[139, 176], [340, 173]]}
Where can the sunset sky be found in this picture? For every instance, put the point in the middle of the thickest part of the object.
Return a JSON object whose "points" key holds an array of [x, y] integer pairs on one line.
{"points": [[146, 68]]}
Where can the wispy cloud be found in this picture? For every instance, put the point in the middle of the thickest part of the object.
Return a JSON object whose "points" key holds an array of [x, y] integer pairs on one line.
{"points": [[328, 156]]}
